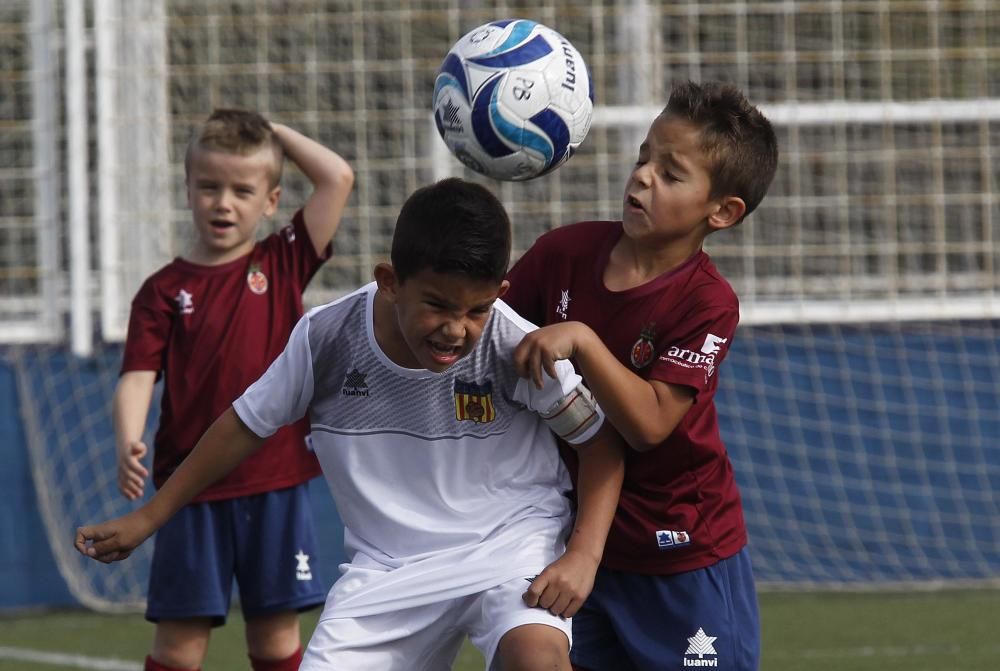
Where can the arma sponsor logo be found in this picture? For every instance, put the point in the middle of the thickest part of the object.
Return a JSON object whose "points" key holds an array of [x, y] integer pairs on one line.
{"points": [[687, 356], [691, 359]]}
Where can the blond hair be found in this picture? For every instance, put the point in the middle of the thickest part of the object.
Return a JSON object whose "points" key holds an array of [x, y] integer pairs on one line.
{"points": [[239, 132]]}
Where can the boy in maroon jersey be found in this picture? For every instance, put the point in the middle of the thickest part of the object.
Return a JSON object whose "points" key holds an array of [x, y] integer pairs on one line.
{"points": [[210, 323], [648, 319]]}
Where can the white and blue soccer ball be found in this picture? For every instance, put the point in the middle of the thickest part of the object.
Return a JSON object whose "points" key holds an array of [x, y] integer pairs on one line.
{"points": [[513, 99]]}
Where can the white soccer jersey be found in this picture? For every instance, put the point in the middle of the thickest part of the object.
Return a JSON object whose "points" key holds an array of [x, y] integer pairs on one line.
{"points": [[447, 483]]}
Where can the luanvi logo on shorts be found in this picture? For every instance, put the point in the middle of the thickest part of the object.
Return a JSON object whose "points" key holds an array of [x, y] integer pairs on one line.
{"points": [[302, 570], [699, 648]]}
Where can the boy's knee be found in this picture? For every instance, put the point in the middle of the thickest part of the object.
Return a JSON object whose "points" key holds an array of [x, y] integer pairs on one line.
{"points": [[534, 647], [273, 636], [180, 644]]}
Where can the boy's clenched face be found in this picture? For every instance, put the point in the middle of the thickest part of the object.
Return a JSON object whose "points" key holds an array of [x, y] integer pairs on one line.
{"points": [[228, 195], [435, 318], [667, 193]]}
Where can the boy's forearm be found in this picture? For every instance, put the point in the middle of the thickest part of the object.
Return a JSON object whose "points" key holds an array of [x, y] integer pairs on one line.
{"points": [[644, 414], [130, 406], [599, 482], [226, 443]]}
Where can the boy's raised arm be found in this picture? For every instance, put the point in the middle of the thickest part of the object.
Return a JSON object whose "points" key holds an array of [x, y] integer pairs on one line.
{"points": [[644, 411], [332, 179], [226, 443]]}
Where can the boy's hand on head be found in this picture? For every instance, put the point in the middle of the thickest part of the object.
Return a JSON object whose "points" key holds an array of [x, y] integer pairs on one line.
{"points": [[132, 473], [539, 350], [564, 584], [114, 540]]}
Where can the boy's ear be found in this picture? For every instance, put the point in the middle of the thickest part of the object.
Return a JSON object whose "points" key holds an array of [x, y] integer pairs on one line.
{"points": [[728, 211], [504, 286], [385, 277], [272, 201]]}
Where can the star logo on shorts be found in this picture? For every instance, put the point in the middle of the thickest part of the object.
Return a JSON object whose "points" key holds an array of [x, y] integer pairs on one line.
{"points": [[302, 570]]}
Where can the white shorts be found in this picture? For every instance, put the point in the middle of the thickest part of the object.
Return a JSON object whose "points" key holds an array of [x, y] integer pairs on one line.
{"points": [[425, 638]]}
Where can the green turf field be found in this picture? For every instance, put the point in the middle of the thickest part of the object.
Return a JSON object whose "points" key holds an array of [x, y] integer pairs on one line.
{"points": [[917, 631]]}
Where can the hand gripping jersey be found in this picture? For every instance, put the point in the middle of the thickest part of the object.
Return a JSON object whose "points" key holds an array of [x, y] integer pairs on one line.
{"points": [[211, 331], [447, 483], [680, 508]]}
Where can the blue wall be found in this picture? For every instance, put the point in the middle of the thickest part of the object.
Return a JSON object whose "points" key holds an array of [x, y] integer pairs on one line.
{"points": [[864, 454], [28, 573], [29, 576]]}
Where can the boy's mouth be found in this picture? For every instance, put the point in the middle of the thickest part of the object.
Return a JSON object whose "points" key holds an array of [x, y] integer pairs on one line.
{"points": [[444, 354], [632, 201], [221, 225]]}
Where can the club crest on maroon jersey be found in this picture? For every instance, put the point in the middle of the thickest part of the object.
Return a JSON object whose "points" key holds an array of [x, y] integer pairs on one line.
{"points": [[256, 280], [642, 350]]}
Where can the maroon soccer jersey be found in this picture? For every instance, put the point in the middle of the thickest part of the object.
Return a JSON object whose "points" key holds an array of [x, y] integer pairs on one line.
{"points": [[680, 508], [211, 331]]}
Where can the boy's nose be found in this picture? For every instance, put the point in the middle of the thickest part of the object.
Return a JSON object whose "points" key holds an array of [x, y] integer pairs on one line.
{"points": [[222, 201], [454, 329], [642, 174]]}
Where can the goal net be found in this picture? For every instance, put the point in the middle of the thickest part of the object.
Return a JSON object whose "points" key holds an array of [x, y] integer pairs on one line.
{"points": [[860, 399]]}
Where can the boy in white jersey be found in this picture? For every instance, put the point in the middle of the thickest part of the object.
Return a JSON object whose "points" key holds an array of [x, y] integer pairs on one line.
{"points": [[439, 456]]}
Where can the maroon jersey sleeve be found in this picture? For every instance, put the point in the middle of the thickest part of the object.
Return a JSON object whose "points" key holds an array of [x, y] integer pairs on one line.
{"points": [[695, 346], [296, 255], [149, 327]]}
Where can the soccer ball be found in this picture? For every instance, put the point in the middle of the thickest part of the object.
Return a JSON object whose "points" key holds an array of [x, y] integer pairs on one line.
{"points": [[513, 99]]}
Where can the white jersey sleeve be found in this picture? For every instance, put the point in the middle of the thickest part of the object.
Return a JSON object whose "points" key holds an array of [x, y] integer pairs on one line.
{"points": [[559, 392], [282, 394]]}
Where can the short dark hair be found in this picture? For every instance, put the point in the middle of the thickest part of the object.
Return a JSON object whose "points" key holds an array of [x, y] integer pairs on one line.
{"points": [[452, 226], [236, 131], [737, 139]]}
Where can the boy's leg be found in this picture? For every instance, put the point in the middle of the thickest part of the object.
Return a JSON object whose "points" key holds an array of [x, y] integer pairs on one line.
{"points": [[276, 572], [424, 638], [273, 641], [513, 636], [706, 617], [532, 647], [180, 644], [189, 584]]}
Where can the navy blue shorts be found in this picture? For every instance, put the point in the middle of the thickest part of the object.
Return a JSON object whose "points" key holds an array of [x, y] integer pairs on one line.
{"points": [[265, 541], [702, 618]]}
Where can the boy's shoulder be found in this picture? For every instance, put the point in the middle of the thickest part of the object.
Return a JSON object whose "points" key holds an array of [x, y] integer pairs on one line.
{"points": [[709, 284], [587, 233]]}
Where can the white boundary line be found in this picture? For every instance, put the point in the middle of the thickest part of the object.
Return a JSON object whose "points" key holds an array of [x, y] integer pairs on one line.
{"points": [[71, 661]]}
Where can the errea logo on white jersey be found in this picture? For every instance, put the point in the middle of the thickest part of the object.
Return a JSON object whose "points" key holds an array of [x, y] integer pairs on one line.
{"points": [[701, 645]]}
